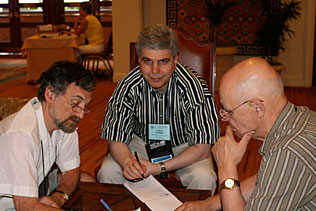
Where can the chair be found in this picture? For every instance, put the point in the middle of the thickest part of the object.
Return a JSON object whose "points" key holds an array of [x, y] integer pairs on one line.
{"points": [[95, 58], [201, 57], [9, 106]]}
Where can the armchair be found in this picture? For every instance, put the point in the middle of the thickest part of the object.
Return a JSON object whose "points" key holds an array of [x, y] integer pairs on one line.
{"points": [[9, 106]]}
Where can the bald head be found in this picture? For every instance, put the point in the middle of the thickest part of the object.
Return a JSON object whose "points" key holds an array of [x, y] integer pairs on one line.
{"points": [[252, 78], [253, 81]]}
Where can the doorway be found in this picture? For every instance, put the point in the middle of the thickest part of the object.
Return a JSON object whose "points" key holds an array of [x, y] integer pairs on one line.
{"points": [[18, 20]]}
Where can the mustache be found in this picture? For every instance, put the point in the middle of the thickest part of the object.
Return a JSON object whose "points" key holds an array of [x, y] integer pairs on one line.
{"points": [[74, 118]]}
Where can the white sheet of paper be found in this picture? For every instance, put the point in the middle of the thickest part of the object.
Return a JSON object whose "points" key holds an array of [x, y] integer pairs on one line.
{"points": [[153, 194], [164, 203]]}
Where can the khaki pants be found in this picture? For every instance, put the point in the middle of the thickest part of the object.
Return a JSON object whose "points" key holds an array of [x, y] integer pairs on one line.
{"points": [[199, 175]]}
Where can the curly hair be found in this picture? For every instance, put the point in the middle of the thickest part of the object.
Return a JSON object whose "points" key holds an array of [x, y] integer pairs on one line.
{"points": [[61, 74], [158, 37]]}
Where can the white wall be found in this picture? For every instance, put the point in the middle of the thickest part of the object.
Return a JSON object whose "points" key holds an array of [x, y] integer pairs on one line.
{"points": [[154, 12], [298, 56], [127, 22], [129, 18]]}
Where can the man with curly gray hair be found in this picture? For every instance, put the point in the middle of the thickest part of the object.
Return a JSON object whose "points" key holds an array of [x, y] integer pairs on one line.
{"points": [[41, 134]]}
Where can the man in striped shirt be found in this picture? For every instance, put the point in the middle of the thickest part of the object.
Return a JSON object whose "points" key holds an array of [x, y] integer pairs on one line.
{"points": [[255, 106], [165, 101]]}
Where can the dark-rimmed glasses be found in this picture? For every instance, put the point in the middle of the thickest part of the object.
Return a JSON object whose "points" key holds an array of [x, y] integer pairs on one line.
{"points": [[77, 108], [225, 113]]}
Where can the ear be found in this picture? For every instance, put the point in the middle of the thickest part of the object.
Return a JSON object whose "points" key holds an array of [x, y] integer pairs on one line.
{"points": [[49, 95], [258, 107], [176, 59]]}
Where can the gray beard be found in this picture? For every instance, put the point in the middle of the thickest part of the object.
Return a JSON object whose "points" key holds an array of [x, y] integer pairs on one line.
{"points": [[62, 125]]}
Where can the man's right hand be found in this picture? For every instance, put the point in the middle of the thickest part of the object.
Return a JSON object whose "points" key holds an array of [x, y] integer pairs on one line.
{"points": [[209, 204], [194, 206], [33, 203], [132, 169], [51, 201]]}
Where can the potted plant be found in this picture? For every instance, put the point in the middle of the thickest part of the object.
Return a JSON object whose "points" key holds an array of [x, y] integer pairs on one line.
{"points": [[275, 30], [214, 12]]}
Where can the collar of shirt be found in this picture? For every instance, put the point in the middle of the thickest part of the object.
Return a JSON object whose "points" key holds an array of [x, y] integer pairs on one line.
{"points": [[277, 129]]}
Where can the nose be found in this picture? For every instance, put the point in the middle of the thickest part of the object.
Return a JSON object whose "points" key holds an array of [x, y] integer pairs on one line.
{"points": [[79, 114], [155, 68]]}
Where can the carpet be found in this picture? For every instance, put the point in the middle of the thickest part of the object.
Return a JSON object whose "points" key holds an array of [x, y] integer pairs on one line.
{"points": [[11, 72]]}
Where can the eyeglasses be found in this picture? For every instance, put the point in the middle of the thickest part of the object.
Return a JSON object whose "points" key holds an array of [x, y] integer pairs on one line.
{"points": [[225, 113], [77, 108]]}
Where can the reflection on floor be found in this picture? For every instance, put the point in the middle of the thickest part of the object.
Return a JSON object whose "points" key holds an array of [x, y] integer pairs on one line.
{"points": [[11, 68], [5, 62]]}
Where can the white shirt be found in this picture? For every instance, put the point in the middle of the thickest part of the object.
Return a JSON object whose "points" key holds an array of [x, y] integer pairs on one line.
{"points": [[21, 166]]}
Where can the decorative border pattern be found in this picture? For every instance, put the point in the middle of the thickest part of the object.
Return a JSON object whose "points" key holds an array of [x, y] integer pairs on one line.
{"points": [[239, 27], [171, 13]]}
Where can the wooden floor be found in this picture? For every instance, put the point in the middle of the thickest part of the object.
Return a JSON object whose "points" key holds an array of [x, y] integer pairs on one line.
{"points": [[93, 149]]}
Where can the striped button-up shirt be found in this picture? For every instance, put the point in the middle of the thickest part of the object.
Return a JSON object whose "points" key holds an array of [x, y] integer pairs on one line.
{"points": [[287, 173], [186, 105]]}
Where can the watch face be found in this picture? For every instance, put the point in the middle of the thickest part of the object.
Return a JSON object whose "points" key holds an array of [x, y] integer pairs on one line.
{"points": [[163, 175], [229, 183]]}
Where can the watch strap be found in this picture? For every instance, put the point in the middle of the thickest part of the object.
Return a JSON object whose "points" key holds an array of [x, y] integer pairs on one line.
{"points": [[163, 172]]}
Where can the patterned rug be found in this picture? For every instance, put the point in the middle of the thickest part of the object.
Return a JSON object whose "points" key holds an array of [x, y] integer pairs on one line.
{"points": [[11, 72]]}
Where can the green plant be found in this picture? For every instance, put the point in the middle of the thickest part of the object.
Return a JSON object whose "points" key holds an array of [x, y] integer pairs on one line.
{"points": [[214, 11], [276, 28]]}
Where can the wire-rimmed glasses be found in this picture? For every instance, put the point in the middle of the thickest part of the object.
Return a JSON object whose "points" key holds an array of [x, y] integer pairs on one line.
{"points": [[225, 113], [77, 108]]}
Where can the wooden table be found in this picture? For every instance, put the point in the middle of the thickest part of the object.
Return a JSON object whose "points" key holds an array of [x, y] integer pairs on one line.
{"points": [[43, 52], [88, 195]]}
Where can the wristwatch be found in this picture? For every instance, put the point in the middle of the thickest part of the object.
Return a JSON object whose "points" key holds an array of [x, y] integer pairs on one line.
{"points": [[229, 183], [163, 173], [63, 195]]}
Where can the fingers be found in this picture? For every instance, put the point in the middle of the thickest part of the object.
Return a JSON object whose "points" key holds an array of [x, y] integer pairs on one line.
{"points": [[48, 201], [193, 206], [181, 208], [229, 131], [184, 206], [246, 138], [132, 169], [229, 152]]}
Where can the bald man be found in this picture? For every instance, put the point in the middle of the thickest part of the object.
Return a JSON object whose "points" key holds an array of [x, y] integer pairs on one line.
{"points": [[254, 105]]}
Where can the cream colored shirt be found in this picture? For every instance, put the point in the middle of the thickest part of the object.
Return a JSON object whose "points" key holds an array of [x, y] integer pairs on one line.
{"points": [[21, 163]]}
